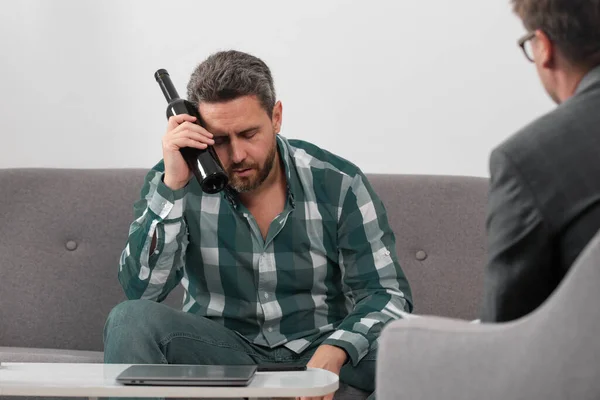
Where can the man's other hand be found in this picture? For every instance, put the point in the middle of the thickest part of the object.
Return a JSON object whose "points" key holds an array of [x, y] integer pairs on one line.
{"points": [[330, 358]]}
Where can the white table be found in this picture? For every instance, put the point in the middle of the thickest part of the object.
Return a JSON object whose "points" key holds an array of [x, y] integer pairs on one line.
{"points": [[98, 380]]}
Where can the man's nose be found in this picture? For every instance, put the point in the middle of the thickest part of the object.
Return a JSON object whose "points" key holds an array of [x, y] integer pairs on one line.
{"points": [[238, 154]]}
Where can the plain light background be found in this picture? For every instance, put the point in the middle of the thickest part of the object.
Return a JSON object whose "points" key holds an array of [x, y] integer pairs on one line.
{"points": [[417, 87]]}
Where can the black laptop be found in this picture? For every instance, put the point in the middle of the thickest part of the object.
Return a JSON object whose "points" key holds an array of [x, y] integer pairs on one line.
{"points": [[187, 375]]}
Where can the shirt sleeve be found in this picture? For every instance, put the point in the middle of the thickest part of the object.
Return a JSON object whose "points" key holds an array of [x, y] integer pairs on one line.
{"points": [[371, 275], [159, 210]]}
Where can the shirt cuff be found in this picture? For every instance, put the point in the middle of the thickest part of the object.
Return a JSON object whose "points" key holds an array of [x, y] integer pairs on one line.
{"points": [[355, 344], [167, 203]]}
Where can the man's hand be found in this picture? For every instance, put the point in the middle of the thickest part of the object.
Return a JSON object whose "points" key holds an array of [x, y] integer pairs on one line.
{"points": [[182, 132], [330, 358]]}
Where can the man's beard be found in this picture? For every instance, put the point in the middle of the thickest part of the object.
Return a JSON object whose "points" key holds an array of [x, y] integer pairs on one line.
{"points": [[247, 184]]}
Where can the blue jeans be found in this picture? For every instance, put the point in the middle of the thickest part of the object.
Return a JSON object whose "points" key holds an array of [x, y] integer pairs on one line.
{"points": [[146, 332]]}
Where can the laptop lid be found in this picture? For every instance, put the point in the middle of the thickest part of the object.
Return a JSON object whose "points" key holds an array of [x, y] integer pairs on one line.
{"points": [[177, 374]]}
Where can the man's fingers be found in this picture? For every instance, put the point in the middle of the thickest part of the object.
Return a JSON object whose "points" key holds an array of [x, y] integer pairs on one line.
{"points": [[195, 136], [176, 120], [191, 131], [187, 142], [190, 126]]}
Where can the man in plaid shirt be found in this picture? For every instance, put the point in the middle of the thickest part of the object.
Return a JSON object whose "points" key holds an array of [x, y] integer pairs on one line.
{"points": [[294, 262]]}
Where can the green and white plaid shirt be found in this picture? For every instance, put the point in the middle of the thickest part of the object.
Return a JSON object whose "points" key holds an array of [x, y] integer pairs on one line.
{"points": [[327, 267]]}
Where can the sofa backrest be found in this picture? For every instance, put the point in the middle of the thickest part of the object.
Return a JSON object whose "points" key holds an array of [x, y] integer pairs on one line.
{"points": [[62, 232], [439, 224]]}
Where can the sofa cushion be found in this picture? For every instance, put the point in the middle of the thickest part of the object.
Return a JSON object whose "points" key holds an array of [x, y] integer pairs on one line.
{"points": [[61, 236], [35, 355], [439, 222]]}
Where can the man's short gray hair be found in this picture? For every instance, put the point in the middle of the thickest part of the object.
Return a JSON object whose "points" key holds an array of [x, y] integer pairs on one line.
{"points": [[228, 75], [573, 25]]}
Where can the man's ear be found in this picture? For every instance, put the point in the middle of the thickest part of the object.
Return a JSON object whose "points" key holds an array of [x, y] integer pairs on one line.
{"points": [[546, 50], [277, 117]]}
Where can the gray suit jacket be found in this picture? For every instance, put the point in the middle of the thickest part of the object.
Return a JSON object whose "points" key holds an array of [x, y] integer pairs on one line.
{"points": [[544, 204]]}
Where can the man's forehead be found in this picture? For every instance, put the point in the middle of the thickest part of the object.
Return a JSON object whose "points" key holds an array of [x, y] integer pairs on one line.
{"points": [[241, 131], [232, 117]]}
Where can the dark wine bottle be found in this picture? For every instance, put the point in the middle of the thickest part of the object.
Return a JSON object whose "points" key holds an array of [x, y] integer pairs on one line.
{"points": [[204, 164]]}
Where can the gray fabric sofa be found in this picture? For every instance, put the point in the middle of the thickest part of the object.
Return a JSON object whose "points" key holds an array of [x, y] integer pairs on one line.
{"points": [[62, 232], [551, 354]]}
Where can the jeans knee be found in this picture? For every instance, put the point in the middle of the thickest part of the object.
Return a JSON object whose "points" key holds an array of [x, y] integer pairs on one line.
{"points": [[131, 332], [128, 312], [131, 316]]}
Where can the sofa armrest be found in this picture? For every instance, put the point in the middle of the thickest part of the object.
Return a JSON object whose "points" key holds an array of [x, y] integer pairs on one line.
{"points": [[438, 358]]}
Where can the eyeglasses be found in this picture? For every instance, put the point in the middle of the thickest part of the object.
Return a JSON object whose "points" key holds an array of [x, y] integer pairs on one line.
{"points": [[525, 45]]}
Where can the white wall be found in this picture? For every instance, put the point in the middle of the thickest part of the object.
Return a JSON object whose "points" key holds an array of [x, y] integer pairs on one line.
{"points": [[395, 86]]}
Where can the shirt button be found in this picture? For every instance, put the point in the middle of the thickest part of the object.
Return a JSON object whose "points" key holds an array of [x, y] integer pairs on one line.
{"points": [[270, 329]]}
